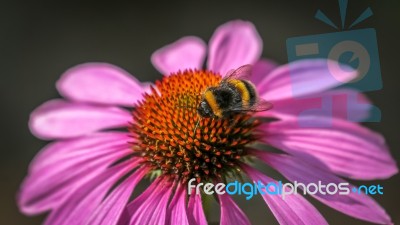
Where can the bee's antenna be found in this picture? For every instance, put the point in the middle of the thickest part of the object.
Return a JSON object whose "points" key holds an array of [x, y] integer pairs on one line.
{"points": [[197, 124]]}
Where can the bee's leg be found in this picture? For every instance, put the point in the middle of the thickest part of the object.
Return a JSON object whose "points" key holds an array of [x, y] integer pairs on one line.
{"points": [[232, 121]]}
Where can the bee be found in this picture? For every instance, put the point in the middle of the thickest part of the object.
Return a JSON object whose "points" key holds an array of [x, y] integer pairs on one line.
{"points": [[234, 94]]}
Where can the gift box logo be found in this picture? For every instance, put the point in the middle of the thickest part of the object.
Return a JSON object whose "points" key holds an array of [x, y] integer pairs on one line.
{"points": [[355, 48]]}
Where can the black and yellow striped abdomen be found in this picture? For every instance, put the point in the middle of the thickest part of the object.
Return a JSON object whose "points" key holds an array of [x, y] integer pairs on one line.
{"points": [[231, 96], [247, 92]]}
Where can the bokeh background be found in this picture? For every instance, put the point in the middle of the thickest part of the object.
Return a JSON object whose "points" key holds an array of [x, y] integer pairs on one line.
{"points": [[41, 39]]}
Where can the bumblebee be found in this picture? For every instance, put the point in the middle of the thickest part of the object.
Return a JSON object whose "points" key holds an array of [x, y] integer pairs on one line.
{"points": [[234, 94]]}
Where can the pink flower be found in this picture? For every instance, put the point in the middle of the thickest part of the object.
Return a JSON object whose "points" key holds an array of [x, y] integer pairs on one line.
{"points": [[89, 171]]}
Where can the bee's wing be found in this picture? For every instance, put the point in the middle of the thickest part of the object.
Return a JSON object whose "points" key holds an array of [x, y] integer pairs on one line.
{"points": [[258, 106], [241, 73]]}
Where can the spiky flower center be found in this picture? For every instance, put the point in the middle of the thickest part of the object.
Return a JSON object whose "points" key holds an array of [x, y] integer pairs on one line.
{"points": [[173, 138]]}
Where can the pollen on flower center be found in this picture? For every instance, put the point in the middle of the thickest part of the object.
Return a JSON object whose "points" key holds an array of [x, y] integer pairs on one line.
{"points": [[173, 138]]}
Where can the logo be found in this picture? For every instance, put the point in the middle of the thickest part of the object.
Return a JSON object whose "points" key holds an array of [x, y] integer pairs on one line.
{"points": [[357, 49], [249, 190]]}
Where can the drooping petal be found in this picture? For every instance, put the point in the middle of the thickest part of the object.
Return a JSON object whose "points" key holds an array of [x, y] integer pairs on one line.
{"points": [[261, 70], [151, 206], [82, 203], [80, 148], [100, 83], [195, 210], [347, 104], [61, 119], [48, 184], [177, 208], [360, 206], [304, 77], [111, 209], [294, 209], [231, 214], [185, 53], [345, 148], [232, 45]]}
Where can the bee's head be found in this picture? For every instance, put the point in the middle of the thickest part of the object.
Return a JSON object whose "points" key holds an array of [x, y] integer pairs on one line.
{"points": [[204, 109]]}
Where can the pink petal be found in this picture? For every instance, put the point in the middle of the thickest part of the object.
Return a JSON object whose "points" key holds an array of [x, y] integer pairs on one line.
{"points": [[360, 206], [151, 206], [110, 210], [345, 148], [261, 70], [61, 119], [185, 53], [47, 184], [100, 83], [302, 78], [177, 207], [195, 210], [125, 217], [294, 209], [79, 148], [82, 203], [232, 45], [339, 103], [231, 214]]}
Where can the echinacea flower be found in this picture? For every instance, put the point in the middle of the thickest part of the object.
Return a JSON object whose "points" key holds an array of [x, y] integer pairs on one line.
{"points": [[88, 173]]}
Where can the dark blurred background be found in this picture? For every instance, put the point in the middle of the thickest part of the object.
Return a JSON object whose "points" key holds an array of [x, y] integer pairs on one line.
{"points": [[41, 39]]}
